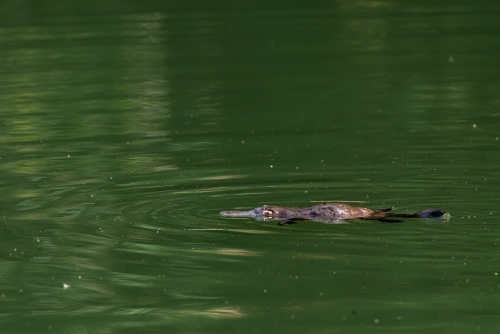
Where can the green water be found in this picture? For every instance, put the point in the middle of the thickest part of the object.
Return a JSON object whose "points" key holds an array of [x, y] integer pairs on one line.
{"points": [[126, 127]]}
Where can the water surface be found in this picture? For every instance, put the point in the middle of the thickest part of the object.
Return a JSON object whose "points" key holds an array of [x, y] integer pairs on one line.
{"points": [[127, 127]]}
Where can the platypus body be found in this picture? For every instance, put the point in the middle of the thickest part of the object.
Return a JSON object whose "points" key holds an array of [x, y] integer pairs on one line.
{"points": [[328, 212]]}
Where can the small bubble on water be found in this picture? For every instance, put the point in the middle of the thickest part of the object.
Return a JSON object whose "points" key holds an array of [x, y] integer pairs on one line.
{"points": [[451, 59], [376, 321]]}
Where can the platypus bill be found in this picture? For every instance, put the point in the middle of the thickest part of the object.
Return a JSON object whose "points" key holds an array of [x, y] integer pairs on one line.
{"points": [[331, 212]]}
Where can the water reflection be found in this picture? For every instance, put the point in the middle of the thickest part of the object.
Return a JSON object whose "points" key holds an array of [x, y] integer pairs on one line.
{"points": [[126, 131], [73, 240]]}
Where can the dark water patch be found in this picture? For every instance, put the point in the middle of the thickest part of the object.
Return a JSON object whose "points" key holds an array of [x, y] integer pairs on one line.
{"points": [[128, 127]]}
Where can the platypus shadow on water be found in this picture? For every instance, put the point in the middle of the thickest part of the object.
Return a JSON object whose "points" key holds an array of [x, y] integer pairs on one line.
{"points": [[331, 212]]}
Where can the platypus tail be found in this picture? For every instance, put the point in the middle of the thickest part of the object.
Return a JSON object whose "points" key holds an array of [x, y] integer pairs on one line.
{"points": [[427, 213]]}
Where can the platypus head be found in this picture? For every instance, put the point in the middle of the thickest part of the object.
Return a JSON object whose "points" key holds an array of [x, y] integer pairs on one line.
{"points": [[431, 213]]}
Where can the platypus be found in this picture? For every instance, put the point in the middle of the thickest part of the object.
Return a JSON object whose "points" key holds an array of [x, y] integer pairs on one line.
{"points": [[328, 212]]}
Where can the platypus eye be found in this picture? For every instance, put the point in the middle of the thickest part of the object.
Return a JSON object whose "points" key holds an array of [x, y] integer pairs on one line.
{"points": [[268, 212]]}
